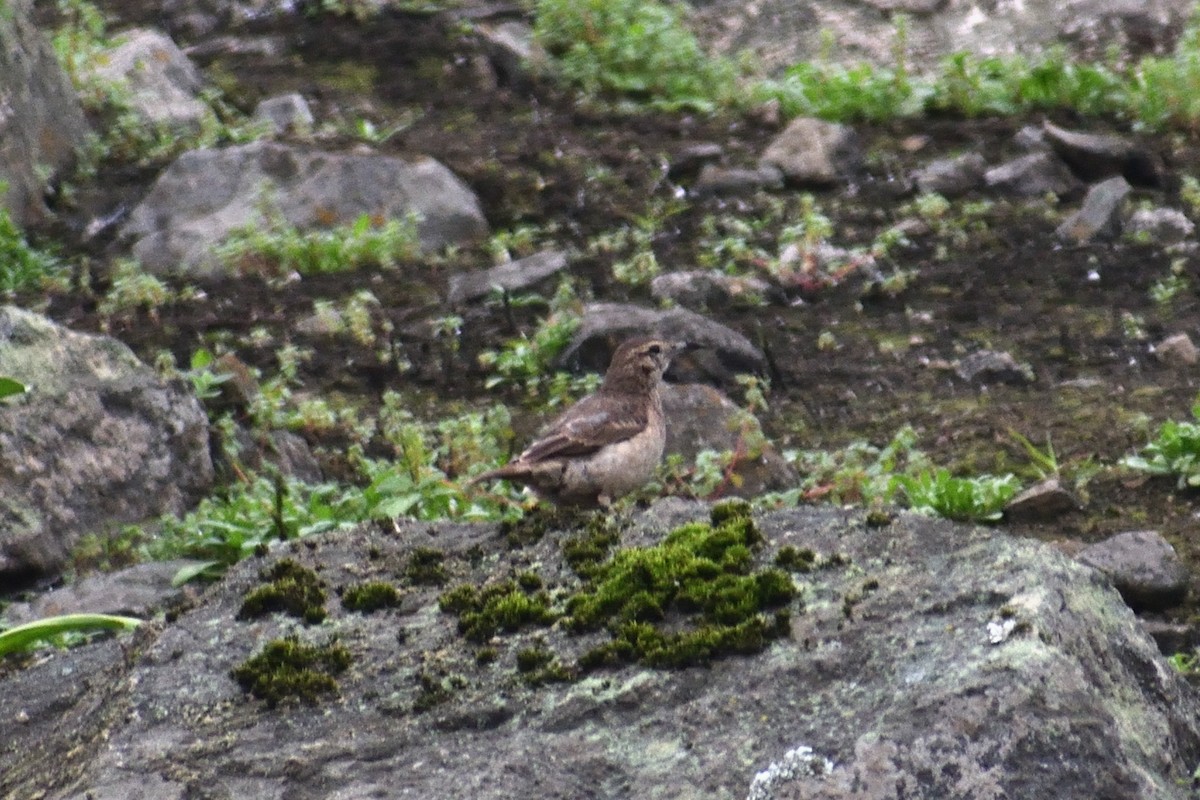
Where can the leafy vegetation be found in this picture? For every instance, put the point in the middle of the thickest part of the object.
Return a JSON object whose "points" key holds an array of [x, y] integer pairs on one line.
{"points": [[22, 267], [62, 630], [975, 499], [10, 387], [278, 247], [1174, 451]]}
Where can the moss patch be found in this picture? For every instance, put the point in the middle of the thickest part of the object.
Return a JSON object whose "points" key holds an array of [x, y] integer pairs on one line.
{"points": [[425, 567], [586, 551], [794, 559], [539, 666], [686, 601], [287, 669], [503, 606], [371, 596], [290, 588]]}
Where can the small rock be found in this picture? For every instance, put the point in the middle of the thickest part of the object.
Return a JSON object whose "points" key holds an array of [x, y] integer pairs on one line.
{"points": [[1171, 637], [813, 151], [1098, 215], [1031, 138], [163, 83], [952, 177], [1041, 502], [285, 113], [690, 160], [1094, 156], [700, 417], [1031, 176], [1143, 566], [700, 289], [723, 352], [510, 47], [138, 591], [716, 180], [1164, 226], [990, 366], [513, 276], [1177, 350]]}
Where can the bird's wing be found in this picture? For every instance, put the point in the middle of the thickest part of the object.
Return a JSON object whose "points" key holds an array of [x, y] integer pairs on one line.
{"points": [[590, 424]]}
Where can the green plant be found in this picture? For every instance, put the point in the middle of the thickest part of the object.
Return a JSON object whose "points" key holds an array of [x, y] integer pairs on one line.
{"points": [[10, 387], [132, 290], [1174, 450], [525, 361], [641, 50], [22, 267], [978, 499], [858, 473], [206, 382], [275, 245], [288, 669], [61, 629]]}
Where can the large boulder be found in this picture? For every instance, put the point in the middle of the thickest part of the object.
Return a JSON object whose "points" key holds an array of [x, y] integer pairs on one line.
{"points": [[923, 659], [41, 122], [156, 79], [99, 439], [206, 194]]}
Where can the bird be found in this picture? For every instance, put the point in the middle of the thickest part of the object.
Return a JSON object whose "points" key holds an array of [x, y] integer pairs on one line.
{"points": [[609, 443]]}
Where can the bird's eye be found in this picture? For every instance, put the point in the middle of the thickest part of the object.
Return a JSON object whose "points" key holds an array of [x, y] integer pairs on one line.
{"points": [[654, 349]]}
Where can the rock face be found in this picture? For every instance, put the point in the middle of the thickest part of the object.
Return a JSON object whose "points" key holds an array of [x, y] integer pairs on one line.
{"points": [[206, 194], [42, 123], [98, 440], [161, 84], [939, 661]]}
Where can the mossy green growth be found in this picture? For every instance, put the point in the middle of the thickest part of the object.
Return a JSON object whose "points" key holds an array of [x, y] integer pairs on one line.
{"points": [[702, 576], [433, 690], [503, 606], [793, 559], [290, 588], [425, 567], [539, 666], [289, 669], [371, 596], [586, 551]]}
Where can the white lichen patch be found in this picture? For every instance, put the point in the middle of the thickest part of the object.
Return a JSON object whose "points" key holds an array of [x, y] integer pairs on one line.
{"points": [[799, 762]]}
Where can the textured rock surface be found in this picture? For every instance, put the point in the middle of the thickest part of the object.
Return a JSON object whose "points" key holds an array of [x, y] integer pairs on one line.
{"points": [[42, 123], [98, 440], [1143, 566], [206, 194], [159, 82], [941, 662]]}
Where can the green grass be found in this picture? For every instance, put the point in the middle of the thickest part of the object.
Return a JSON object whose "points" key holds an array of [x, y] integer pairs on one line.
{"points": [[975, 499], [280, 247], [22, 267]]}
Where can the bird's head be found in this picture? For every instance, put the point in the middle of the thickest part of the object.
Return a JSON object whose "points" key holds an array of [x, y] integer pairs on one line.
{"points": [[639, 363]]}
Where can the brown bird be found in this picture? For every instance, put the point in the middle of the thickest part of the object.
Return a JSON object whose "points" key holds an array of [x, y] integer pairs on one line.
{"points": [[609, 443]]}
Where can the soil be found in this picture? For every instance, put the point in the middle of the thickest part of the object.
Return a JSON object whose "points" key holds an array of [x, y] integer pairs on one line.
{"points": [[536, 156]]}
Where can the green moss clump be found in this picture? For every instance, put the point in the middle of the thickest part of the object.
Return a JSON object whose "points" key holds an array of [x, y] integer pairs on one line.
{"points": [[486, 655], [432, 691], [290, 588], [425, 567], [289, 669], [701, 575], [539, 666], [585, 552], [529, 581], [371, 596], [795, 560], [503, 606]]}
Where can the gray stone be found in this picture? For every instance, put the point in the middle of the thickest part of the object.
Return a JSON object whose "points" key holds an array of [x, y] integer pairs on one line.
{"points": [[41, 121], [1095, 156], [714, 180], [990, 366], [285, 113], [1044, 501], [1143, 566], [723, 353], [812, 151], [781, 32], [701, 418], [1163, 226], [1031, 176], [141, 591], [514, 276], [701, 289], [1099, 214], [952, 177], [206, 194], [511, 48], [941, 661], [690, 160], [97, 440], [159, 82], [1177, 350]]}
